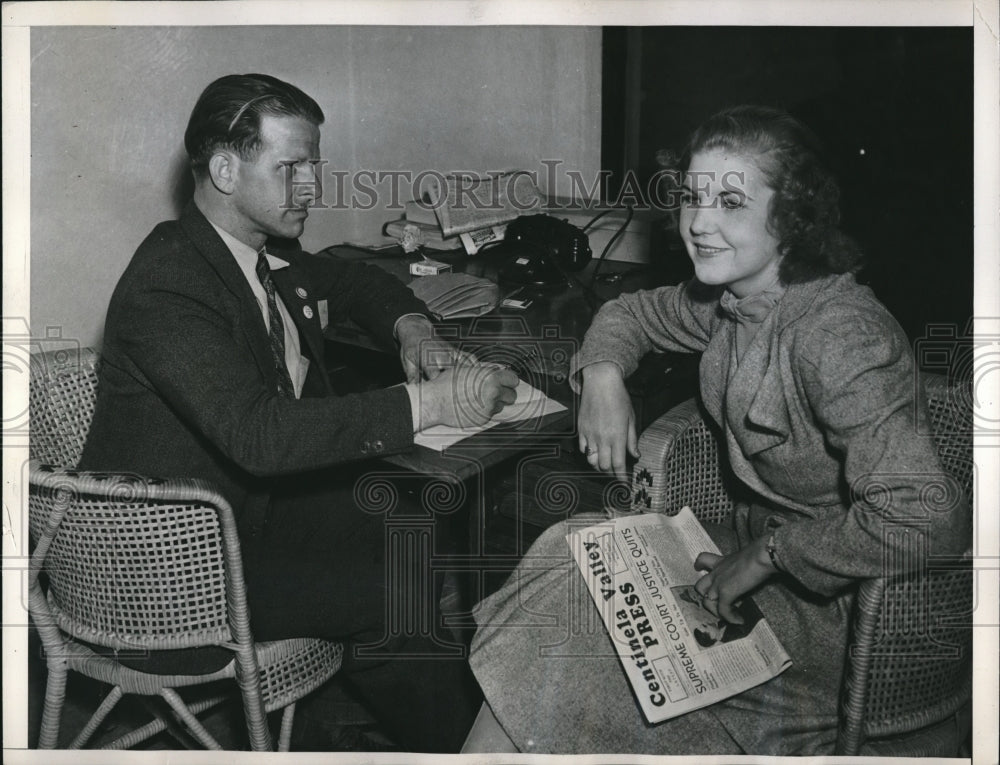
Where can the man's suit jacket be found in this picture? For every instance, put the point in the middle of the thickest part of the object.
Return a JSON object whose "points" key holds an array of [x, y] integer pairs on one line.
{"points": [[188, 386]]}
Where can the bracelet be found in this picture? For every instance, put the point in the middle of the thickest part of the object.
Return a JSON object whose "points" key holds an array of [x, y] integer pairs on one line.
{"points": [[772, 553]]}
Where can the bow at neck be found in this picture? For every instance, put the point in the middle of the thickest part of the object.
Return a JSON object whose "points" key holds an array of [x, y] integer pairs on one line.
{"points": [[752, 309]]}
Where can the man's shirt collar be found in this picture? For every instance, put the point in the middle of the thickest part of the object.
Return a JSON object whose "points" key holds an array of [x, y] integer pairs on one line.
{"points": [[246, 255]]}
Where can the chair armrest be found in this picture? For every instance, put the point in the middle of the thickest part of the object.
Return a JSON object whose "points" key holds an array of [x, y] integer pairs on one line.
{"points": [[680, 467], [126, 487], [854, 696], [909, 658]]}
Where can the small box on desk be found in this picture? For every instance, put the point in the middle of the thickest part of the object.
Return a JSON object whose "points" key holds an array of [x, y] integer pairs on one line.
{"points": [[428, 267]]}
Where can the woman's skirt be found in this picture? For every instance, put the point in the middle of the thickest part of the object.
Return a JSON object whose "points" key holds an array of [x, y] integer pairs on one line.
{"points": [[551, 675]]}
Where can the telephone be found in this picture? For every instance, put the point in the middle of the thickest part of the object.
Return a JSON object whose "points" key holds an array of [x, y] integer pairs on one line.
{"points": [[541, 249]]}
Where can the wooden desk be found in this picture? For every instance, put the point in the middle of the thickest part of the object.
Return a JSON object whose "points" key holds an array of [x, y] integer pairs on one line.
{"points": [[481, 473], [543, 338], [561, 312]]}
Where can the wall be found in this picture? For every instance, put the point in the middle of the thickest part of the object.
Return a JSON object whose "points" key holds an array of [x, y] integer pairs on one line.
{"points": [[109, 107], [889, 103]]}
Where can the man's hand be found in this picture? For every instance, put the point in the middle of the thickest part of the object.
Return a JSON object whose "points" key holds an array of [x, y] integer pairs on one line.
{"points": [[607, 421], [731, 576], [422, 355], [466, 394]]}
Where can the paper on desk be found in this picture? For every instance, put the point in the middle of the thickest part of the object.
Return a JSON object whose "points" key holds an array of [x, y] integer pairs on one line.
{"points": [[530, 403]]}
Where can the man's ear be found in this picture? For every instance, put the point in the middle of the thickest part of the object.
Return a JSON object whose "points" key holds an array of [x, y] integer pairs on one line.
{"points": [[222, 171]]}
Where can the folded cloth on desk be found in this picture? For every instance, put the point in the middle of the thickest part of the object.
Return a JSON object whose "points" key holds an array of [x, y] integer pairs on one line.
{"points": [[531, 403], [456, 296]]}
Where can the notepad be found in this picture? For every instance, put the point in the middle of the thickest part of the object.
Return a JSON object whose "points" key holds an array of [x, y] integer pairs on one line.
{"points": [[531, 403]]}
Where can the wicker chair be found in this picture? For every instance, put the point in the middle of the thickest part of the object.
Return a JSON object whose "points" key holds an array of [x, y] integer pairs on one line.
{"points": [[908, 681], [138, 583]]}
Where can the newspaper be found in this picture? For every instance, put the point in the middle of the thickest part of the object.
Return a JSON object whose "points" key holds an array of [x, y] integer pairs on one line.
{"points": [[474, 203], [474, 241], [678, 656]]}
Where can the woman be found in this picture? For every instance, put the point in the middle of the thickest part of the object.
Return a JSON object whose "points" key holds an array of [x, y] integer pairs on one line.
{"points": [[811, 383]]}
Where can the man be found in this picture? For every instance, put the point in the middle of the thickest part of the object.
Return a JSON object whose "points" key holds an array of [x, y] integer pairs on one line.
{"points": [[213, 367]]}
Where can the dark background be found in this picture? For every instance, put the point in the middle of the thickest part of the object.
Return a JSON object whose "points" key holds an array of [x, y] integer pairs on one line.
{"points": [[893, 105]]}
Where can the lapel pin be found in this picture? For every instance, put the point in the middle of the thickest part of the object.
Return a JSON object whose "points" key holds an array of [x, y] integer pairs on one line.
{"points": [[307, 311], [300, 291]]}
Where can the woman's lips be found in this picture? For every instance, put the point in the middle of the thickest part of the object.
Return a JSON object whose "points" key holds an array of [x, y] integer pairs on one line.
{"points": [[708, 251]]}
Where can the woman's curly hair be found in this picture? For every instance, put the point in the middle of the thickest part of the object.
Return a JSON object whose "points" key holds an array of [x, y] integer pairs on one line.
{"points": [[804, 213]]}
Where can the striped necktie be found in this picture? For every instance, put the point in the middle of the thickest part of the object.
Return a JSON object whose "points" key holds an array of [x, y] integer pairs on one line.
{"points": [[276, 331]]}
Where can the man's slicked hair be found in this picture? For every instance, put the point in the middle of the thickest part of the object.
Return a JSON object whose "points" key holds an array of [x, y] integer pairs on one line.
{"points": [[229, 111]]}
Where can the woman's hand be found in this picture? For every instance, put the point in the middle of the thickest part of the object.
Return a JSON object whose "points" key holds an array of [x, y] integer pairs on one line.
{"points": [[730, 577], [607, 421]]}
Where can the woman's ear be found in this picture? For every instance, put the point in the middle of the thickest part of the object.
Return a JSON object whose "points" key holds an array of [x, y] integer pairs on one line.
{"points": [[222, 171]]}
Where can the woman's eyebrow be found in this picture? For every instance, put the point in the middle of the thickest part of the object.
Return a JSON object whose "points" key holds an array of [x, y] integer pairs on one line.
{"points": [[739, 192]]}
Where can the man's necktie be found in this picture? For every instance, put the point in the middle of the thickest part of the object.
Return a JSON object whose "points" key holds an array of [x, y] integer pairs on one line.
{"points": [[277, 327]]}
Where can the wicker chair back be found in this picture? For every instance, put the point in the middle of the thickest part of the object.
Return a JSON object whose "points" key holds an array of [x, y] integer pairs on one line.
{"points": [[61, 399]]}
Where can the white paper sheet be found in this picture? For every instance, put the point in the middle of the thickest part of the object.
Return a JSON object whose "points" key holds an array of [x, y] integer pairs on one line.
{"points": [[530, 403]]}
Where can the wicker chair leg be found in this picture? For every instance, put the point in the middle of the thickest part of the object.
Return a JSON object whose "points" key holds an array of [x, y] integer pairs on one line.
{"points": [[138, 735], [159, 725], [55, 695], [287, 720], [163, 720], [253, 704], [97, 718], [194, 725]]}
